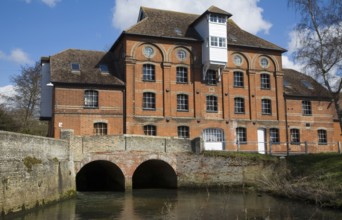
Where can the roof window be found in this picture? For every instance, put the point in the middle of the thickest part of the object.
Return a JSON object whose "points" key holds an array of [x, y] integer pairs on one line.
{"points": [[287, 83], [307, 84], [104, 68], [75, 67]]}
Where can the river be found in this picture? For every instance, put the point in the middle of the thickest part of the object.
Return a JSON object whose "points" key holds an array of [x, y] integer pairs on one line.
{"points": [[177, 204]]}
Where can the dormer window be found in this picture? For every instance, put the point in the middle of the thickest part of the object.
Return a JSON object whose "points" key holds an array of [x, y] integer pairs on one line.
{"points": [[218, 19], [104, 68], [75, 67]]}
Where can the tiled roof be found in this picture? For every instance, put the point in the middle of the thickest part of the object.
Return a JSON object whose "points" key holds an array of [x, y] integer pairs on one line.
{"points": [[239, 37], [163, 23], [297, 84], [60, 66]]}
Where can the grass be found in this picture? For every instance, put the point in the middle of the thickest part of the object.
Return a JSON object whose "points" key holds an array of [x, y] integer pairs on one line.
{"points": [[314, 177]]}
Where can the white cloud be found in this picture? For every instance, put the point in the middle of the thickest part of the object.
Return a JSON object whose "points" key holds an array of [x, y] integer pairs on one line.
{"points": [[6, 91], [17, 56], [289, 64], [125, 12], [50, 3]]}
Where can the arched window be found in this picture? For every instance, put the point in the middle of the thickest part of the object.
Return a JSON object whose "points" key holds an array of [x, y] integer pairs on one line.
{"points": [[91, 98], [183, 132], [322, 136], [182, 75], [149, 72], [211, 77], [274, 135], [182, 102], [149, 101], [241, 135], [150, 130], [238, 79], [212, 105], [306, 107], [294, 136], [265, 82], [100, 128], [266, 107], [213, 135], [239, 105]]}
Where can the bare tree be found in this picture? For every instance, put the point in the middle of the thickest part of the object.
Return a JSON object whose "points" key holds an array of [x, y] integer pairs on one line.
{"points": [[27, 97], [320, 43]]}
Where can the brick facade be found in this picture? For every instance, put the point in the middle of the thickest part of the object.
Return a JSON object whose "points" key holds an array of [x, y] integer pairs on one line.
{"points": [[255, 104]]}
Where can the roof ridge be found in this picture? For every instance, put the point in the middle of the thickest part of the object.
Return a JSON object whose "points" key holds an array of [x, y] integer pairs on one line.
{"points": [[176, 12]]}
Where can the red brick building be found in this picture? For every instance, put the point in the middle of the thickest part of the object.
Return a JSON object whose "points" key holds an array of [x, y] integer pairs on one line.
{"points": [[185, 76]]}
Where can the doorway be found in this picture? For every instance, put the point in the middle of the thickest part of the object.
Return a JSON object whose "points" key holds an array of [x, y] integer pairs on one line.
{"points": [[261, 140]]}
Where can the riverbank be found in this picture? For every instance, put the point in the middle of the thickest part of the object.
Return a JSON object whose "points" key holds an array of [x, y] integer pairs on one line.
{"points": [[315, 178]]}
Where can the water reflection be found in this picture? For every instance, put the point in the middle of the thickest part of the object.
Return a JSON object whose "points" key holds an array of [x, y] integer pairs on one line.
{"points": [[177, 204]]}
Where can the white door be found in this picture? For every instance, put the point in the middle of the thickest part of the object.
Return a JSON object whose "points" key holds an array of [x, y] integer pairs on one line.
{"points": [[261, 141]]}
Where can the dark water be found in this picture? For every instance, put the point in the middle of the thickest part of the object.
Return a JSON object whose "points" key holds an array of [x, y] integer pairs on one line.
{"points": [[178, 204]]}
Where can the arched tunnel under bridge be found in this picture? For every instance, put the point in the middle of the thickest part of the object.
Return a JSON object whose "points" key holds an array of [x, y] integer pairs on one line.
{"points": [[154, 174], [100, 175]]}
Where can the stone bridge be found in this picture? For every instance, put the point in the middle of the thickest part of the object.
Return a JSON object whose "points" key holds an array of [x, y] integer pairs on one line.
{"points": [[37, 170], [127, 161]]}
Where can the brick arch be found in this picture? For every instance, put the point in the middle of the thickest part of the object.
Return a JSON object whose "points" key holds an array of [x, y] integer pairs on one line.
{"points": [[246, 58], [174, 49], [167, 159], [154, 173], [138, 45], [274, 63], [137, 158]]}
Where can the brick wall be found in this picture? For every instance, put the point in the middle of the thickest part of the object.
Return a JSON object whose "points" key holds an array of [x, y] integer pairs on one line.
{"points": [[70, 112], [166, 117]]}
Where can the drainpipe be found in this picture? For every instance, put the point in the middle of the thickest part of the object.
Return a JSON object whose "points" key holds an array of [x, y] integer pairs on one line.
{"points": [[287, 131]]}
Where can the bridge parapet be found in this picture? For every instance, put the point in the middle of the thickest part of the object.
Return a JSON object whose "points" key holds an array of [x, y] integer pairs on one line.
{"points": [[82, 146]]}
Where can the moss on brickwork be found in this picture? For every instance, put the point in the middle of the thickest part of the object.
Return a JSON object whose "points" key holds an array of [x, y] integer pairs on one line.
{"points": [[29, 162]]}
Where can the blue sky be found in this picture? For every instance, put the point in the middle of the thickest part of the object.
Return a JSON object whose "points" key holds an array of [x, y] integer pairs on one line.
{"points": [[31, 29]]}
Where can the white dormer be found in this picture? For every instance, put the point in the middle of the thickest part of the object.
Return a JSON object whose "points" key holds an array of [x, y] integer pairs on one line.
{"points": [[212, 26]]}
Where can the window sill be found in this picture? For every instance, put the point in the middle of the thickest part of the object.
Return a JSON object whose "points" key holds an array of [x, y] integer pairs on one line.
{"points": [[265, 88], [149, 109], [237, 87], [322, 143], [307, 114], [145, 80], [181, 110], [90, 107], [239, 113], [267, 114], [208, 111]]}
